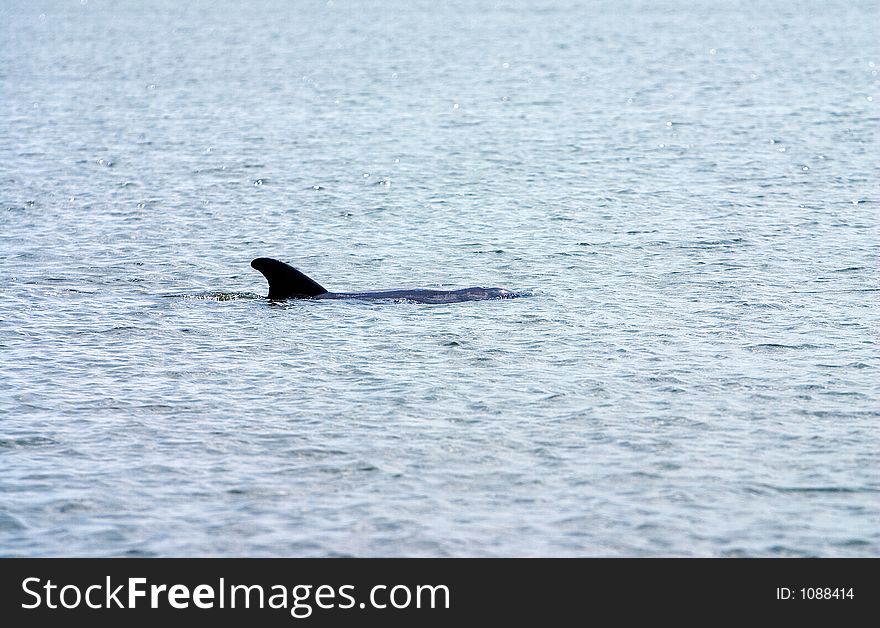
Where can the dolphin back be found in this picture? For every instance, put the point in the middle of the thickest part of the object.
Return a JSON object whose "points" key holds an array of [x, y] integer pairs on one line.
{"points": [[428, 296]]}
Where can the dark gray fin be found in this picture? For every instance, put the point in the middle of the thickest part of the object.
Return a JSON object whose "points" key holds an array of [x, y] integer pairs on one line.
{"points": [[285, 281]]}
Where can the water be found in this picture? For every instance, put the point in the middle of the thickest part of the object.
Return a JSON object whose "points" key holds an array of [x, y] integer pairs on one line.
{"points": [[688, 190]]}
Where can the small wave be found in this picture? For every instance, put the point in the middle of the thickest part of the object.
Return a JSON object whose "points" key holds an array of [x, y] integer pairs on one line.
{"points": [[140, 553], [27, 441], [820, 489], [702, 244], [108, 330], [9, 523], [773, 346], [849, 365], [216, 296], [856, 543]]}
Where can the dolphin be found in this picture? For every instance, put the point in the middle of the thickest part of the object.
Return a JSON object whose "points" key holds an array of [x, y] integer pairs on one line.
{"points": [[286, 282]]}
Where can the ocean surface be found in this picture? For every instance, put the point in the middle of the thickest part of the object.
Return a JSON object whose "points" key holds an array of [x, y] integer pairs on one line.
{"points": [[688, 191]]}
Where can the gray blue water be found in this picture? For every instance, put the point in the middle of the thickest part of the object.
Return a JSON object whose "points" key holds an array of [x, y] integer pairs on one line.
{"points": [[689, 190]]}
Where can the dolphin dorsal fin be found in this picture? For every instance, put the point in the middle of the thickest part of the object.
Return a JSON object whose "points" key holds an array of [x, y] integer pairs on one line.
{"points": [[285, 281]]}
